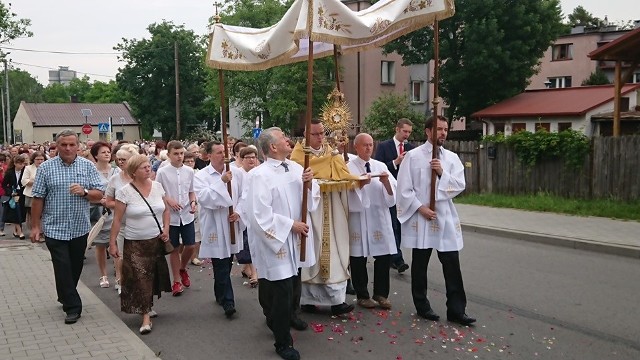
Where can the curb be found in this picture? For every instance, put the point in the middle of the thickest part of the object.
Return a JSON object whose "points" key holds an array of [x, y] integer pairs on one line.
{"points": [[556, 240]]}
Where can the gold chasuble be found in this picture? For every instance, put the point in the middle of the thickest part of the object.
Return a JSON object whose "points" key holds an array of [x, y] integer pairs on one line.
{"points": [[330, 221]]}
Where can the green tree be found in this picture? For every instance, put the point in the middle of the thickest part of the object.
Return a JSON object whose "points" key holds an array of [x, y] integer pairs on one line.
{"points": [[279, 93], [597, 77], [56, 93], [580, 16], [488, 50], [104, 93], [60, 93], [22, 87], [11, 27], [385, 111], [148, 78]]}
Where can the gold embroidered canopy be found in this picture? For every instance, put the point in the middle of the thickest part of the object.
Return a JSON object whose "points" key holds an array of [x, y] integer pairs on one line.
{"points": [[325, 23]]}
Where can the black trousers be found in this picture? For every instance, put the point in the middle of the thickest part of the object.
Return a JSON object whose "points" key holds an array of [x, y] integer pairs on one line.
{"points": [[222, 287], [67, 257], [279, 306], [360, 277], [396, 258], [450, 260]]}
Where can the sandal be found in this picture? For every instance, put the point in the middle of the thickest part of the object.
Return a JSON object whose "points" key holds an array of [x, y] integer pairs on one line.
{"points": [[145, 329]]}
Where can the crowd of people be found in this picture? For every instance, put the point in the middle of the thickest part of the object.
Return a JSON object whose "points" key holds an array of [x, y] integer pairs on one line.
{"points": [[157, 207]]}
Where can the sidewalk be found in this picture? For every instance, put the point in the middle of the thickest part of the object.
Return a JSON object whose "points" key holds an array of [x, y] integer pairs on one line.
{"points": [[588, 233], [32, 321]]}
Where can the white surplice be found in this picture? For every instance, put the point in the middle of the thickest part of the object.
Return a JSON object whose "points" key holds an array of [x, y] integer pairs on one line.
{"points": [[271, 202], [414, 188], [370, 229], [213, 215]]}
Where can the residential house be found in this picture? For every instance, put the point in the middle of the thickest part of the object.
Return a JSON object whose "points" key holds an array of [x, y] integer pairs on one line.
{"points": [[584, 108], [38, 122]]}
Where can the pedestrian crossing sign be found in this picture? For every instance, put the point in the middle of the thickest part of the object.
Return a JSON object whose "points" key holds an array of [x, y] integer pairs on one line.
{"points": [[103, 128]]}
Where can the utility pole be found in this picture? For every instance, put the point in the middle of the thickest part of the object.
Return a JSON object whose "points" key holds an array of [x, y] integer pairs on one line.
{"points": [[175, 50], [4, 120], [9, 138]]}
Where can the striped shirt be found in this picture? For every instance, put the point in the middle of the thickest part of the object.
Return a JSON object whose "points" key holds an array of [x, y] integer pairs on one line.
{"points": [[65, 216]]}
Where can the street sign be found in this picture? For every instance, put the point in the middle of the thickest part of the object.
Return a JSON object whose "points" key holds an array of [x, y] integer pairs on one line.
{"points": [[256, 132], [87, 129], [103, 128]]}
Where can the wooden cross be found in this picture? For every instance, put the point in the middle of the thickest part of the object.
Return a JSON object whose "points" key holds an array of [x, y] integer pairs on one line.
{"points": [[377, 235], [281, 254], [213, 238]]}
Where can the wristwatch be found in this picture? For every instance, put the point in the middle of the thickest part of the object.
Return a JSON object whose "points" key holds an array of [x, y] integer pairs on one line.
{"points": [[86, 192]]}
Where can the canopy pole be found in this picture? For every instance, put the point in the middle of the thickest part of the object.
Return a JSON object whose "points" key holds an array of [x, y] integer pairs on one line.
{"points": [[307, 138], [227, 160], [434, 127]]}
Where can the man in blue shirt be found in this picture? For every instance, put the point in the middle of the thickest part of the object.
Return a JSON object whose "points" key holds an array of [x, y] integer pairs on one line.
{"points": [[63, 188]]}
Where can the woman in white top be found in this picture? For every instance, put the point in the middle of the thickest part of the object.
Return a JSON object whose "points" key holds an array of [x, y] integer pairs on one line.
{"points": [[115, 183], [101, 154], [28, 178], [145, 271]]}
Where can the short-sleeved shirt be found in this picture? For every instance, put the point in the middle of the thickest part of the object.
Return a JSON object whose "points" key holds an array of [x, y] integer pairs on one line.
{"points": [[178, 183], [138, 220], [65, 216]]}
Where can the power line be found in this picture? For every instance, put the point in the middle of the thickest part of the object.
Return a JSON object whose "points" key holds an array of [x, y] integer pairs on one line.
{"points": [[61, 52], [51, 68]]}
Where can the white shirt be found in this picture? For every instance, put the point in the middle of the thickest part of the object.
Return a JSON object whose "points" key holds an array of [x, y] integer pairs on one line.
{"points": [[178, 183], [138, 220]]}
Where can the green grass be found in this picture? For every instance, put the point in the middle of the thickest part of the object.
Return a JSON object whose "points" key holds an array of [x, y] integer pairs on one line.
{"points": [[608, 208]]}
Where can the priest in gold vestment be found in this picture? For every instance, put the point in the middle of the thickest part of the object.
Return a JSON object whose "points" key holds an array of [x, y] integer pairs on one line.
{"points": [[324, 284]]}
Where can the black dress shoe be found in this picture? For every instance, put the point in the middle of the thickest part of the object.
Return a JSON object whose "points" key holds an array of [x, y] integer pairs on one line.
{"points": [[429, 315], [311, 309], [343, 308], [394, 266], [288, 353], [350, 289], [463, 319], [402, 268], [298, 324], [229, 310], [71, 318]]}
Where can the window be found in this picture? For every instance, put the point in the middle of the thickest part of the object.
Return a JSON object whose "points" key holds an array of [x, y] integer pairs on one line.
{"points": [[388, 72], [516, 127], [564, 126], [636, 78], [498, 128], [543, 126], [624, 104], [559, 82], [562, 52], [54, 136], [119, 135], [417, 90]]}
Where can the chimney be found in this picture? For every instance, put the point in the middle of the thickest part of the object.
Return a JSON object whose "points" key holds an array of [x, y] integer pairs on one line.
{"points": [[74, 99]]}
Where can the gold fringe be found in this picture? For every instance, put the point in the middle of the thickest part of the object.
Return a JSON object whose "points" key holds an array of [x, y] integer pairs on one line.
{"points": [[336, 186]]}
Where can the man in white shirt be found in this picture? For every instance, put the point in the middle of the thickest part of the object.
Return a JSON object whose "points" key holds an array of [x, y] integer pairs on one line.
{"points": [[177, 181], [210, 185], [424, 229], [370, 229], [273, 206]]}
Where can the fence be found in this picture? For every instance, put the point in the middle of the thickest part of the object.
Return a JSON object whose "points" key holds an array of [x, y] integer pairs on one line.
{"points": [[611, 170]]}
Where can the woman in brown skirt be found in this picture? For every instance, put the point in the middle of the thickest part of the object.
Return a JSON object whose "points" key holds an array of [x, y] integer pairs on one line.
{"points": [[144, 267]]}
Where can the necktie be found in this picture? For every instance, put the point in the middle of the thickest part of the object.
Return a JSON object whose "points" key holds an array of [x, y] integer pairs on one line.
{"points": [[285, 166], [367, 167], [401, 149]]}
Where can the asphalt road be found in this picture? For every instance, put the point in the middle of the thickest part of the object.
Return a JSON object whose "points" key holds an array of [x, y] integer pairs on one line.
{"points": [[532, 301]]}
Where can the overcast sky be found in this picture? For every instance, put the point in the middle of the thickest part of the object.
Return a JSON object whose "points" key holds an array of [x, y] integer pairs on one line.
{"points": [[96, 26]]}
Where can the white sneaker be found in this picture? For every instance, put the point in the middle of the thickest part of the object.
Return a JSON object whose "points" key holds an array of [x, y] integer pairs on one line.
{"points": [[153, 314], [104, 282], [118, 287]]}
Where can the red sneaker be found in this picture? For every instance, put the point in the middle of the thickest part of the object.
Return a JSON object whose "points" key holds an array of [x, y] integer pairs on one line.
{"points": [[176, 289], [184, 276]]}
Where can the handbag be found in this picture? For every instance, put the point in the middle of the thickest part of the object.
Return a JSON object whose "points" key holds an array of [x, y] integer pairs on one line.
{"points": [[168, 248]]}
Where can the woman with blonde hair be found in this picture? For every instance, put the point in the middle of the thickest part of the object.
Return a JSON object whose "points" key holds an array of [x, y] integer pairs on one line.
{"points": [[28, 178], [117, 182], [145, 272]]}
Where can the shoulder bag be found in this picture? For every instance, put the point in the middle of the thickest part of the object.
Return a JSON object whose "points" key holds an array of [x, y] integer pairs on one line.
{"points": [[168, 248]]}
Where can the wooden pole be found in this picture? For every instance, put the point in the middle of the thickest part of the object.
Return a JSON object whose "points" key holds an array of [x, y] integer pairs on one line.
{"points": [[616, 98], [434, 126], [307, 137], [223, 127]]}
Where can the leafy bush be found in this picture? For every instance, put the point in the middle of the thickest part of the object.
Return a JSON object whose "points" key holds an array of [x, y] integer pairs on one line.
{"points": [[384, 113]]}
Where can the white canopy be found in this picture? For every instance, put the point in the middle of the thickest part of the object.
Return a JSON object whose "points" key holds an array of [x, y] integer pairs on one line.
{"points": [[325, 22]]}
